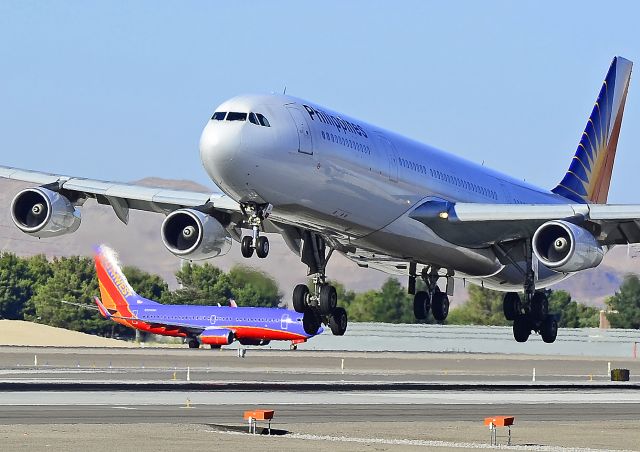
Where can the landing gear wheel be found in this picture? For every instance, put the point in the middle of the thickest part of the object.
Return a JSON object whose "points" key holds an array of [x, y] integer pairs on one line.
{"points": [[510, 304], [549, 329], [338, 321], [440, 306], [216, 347], [310, 322], [262, 247], [521, 328], [328, 299], [539, 306], [246, 247], [193, 343], [421, 305], [300, 294]]}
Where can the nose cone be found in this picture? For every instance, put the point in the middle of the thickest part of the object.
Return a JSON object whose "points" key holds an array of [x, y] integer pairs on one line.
{"points": [[219, 143]]}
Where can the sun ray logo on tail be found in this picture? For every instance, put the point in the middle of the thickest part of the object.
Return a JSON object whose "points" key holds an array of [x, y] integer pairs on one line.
{"points": [[589, 175]]}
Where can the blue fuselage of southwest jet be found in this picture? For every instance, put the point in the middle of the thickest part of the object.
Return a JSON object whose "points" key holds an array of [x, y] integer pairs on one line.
{"points": [[213, 325]]}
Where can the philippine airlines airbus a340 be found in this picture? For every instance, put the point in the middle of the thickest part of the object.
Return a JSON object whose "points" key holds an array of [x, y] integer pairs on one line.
{"points": [[327, 182]]}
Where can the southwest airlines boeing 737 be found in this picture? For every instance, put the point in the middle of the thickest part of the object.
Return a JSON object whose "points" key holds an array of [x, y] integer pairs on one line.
{"points": [[212, 325], [327, 182]]}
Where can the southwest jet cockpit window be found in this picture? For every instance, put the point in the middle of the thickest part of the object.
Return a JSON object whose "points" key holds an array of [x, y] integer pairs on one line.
{"points": [[253, 119], [219, 115], [235, 116]]}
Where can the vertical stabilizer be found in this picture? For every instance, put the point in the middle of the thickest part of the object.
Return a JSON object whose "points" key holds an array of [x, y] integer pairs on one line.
{"points": [[589, 175], [118, 297]]}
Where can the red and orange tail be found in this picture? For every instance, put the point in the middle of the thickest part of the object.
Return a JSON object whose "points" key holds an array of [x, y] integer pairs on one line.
{"points": [[117, 295], [589, 175]]}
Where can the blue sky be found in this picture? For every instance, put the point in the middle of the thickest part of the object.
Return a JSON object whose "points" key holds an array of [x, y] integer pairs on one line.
{"points": [[121, 90]]}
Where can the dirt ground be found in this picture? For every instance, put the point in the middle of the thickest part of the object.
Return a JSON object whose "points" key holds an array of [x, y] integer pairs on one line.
{"points": [[16, 332], [406, 436]]}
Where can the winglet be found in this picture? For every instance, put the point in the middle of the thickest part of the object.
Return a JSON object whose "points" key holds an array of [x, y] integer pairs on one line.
{"points": [[103, 311], [589, 174]]}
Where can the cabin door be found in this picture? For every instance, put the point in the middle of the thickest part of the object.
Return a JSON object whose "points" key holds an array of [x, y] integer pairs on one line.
{"points": [[388, 150], [305, 144], [284, 322]]}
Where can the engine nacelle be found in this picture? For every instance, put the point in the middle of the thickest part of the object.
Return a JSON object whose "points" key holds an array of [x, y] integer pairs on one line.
{"points": [[42, 213], [566, 247], [216, 336], [191, 234]]}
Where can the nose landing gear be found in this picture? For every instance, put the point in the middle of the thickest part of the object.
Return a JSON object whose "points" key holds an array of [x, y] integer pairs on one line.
{"points": [[255, 215], [320, 305]]}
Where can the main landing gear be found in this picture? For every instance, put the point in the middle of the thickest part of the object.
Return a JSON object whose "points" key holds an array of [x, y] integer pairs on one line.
{"points": [[531, 311], [320, 304], [255, 215], [193, 343], [432, 299]]}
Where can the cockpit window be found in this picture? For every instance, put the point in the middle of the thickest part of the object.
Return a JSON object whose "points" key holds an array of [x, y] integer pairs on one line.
{"points": [[263, 120], [219, 115], [235, 116], [253, 119]]}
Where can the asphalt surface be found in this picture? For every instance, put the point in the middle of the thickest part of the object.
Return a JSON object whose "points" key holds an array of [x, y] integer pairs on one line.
{"points": [[399, 401], [163, 364], [314, 413]]}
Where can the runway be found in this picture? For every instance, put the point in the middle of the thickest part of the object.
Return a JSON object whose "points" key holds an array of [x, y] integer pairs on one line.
{"points": [[353, 399]]}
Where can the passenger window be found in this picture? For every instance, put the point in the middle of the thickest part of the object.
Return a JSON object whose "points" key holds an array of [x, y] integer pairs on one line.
{"points": [[219, 115], [263, 120], [253, 119], [235, 116]]}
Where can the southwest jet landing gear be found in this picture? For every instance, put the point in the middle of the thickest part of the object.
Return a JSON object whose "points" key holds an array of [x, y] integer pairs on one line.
{"points": [[432, 299], [320, 305], [531, 312], [255, 215]]}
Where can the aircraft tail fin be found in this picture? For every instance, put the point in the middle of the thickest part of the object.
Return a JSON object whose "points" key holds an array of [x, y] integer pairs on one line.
{"points": [[118, 297], [589, 175]]}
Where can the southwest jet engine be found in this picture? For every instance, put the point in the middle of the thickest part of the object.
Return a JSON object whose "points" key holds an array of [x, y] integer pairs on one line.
{"points": [[42, 213], [191, 234], [566, 247], [216, 336]]}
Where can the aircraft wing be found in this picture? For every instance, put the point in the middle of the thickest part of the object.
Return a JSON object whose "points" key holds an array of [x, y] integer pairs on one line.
{"points": [[122, 196], [481, 225]]}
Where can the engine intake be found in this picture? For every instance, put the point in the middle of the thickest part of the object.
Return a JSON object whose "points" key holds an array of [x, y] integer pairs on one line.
{"points": [[566, 247], [191, 234], [42, 213]]}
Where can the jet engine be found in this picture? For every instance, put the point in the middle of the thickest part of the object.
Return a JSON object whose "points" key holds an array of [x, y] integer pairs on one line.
{"points": [[216, 336], [191, 234], [566, 247], [42, 213]]}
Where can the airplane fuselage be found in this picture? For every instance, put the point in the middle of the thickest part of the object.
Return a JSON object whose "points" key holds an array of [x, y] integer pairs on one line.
{"points": [[356, 182], [247, 323]]}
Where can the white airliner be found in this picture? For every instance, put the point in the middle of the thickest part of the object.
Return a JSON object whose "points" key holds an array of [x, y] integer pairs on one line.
{"points": [[327, 182]]}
